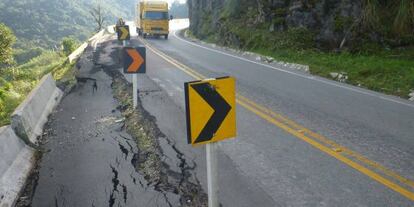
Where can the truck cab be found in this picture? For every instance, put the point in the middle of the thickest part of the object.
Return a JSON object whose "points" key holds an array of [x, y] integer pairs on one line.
{"points": [[152, 19]]}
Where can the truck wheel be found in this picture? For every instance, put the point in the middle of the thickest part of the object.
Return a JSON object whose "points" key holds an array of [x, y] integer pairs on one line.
{"points": [[166, 37]]}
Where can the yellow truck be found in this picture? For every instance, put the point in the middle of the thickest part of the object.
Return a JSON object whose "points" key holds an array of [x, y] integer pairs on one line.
{"points": [[152, 18]]}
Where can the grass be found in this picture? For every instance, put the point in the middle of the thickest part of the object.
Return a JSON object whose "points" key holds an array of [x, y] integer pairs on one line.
{"points": [[376, 72], [17, 82], [389, 71]]}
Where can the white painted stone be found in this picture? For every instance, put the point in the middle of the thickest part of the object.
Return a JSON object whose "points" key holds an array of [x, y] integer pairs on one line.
{"points": [[411, 96], [334, 75]]}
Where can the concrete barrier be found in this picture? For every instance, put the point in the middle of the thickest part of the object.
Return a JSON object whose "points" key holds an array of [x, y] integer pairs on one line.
{"points": [[16, 162], [97, 35], [77, 53], [30, 116], [97, 38]]}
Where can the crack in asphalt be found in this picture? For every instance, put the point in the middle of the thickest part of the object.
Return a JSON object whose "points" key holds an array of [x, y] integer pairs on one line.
{"points": [[120, 190], [148, 161], [115, 183], [123, 150]]}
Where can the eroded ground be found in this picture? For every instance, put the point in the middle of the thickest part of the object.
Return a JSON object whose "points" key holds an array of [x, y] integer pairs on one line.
{"points": [[97, 151]]}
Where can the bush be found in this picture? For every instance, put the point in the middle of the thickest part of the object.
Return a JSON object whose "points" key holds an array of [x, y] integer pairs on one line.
{"points": [[17, 82], [9, 100], [22, 56], [69, 45], [7, 40]]}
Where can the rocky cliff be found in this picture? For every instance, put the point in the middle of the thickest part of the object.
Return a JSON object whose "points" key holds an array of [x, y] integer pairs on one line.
{"points": [[329, 24]]}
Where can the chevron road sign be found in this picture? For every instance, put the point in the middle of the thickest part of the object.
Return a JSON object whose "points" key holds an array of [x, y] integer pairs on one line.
{"points": [[134, 60], [210, 110], [123, 32]]}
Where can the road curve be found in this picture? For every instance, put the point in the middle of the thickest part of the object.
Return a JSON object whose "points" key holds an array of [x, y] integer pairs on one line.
{"points": [[304, 140]]}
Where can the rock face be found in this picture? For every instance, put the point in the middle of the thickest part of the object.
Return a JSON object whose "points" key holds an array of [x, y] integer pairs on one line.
{"points": [[330, 20]]}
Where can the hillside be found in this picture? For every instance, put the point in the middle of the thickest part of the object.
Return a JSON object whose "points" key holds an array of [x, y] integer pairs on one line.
{"points": [[369, 42], [332, 24], [179, 10], [45, 30], [43, 23]]}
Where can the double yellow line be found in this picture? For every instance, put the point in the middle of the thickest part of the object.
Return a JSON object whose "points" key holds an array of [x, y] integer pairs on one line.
{"points": [[368, 167]]}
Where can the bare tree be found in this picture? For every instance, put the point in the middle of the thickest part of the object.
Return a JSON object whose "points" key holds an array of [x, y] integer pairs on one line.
{"points": [[97, 15]]}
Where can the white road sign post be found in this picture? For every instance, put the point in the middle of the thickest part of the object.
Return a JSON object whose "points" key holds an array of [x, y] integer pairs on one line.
{"points": [[135, 89], [212, 184]]}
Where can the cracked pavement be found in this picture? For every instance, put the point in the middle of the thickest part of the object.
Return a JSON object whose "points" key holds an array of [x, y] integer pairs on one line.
{"points": [[91, 160], [89, 157]]}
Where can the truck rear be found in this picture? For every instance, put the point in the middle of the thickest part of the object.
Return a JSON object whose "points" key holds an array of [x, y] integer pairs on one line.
{"points": [[152, 18]]}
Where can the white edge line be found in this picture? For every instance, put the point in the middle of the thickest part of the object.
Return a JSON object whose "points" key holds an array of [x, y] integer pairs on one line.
{"points": [[297, 74]]}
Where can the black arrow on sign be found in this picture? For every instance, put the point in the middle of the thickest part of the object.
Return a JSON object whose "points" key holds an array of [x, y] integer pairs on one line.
{"points": [[220, 106]]}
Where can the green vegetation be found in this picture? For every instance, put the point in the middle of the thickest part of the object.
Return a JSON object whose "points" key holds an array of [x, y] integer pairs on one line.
{"points": [[387, 71], [7, 39], [22, 56], [389, 17], [69, 45], [379, 45], [391, 73], [43, 23], [17, 81], [178, 10], [41, 34]]}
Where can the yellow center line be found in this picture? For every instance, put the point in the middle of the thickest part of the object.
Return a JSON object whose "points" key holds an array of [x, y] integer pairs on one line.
{"points": [[301, 132], [332, 144]]}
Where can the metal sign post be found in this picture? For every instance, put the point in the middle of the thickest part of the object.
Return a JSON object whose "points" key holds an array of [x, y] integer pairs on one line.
{"points": [[212, 184], [135, 89]]}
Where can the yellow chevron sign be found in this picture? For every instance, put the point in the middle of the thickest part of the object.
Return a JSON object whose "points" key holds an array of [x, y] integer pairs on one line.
{"points": [[123, 32], [210, 110]]}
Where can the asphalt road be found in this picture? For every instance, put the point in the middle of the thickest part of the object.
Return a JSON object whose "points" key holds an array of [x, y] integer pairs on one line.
{"points": [[89, 157], [302, 140], [375, 131]]}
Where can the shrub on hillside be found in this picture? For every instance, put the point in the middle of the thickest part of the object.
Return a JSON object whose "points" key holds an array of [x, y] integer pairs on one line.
{"points": [[69, 45], [24, 55], [7, 40]]}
